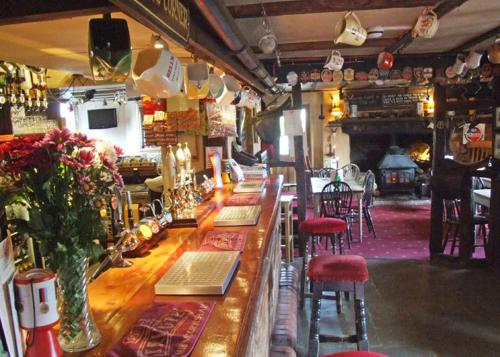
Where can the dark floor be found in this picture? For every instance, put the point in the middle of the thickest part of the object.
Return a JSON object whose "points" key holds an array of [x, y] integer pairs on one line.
{"points": [[420, 309]]}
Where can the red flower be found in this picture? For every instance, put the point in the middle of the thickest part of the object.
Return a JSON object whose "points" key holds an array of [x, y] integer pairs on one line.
{"points": [[86, 158], [57, 138]]}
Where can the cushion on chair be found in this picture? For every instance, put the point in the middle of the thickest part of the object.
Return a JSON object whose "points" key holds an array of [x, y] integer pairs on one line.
{"points": [[323, 225], [356, 354], [338, 268]]}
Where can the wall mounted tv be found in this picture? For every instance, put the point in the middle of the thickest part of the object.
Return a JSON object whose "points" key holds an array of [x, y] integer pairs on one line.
{"points": [[102, 118]]}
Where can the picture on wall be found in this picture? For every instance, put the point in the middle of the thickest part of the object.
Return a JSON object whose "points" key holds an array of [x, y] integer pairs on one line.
{"points": [[496, 148]]}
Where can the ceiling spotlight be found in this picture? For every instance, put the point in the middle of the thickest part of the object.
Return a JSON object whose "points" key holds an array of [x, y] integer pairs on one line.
{"points": [[158, 42], [89, 94], [104, 102]]}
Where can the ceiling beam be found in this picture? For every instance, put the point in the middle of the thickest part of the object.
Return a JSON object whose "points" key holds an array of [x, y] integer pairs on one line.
{"points": [[24, 11], [279, 8], [444, 8], [477, 40], [326, 45], [321, 59]]}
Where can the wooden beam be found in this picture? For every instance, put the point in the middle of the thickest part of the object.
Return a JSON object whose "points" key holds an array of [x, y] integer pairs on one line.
{"points": [[279, 8], [347, 58], [476, 40], [444, 8], [25, 11], [326, 45]]}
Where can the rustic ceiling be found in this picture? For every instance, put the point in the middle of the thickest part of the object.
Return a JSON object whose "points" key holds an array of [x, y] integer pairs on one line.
{"points": [[305, 31], [62, 44]]}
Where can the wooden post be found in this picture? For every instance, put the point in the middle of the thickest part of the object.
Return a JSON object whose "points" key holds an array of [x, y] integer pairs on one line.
{"points": [[438, 150], [494, 237], [466, 219]]}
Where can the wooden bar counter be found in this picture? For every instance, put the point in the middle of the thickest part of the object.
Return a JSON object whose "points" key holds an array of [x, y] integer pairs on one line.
{"points": [[242, 320]]}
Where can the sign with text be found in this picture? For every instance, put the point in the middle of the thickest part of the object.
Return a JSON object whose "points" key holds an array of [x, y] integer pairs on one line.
{"points": [[167, 16]]}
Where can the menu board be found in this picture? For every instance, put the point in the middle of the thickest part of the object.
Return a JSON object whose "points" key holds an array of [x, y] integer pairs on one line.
{"points": [[383, 100]]}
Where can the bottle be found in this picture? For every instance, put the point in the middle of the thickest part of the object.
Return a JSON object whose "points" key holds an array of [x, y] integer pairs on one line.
{"points": [[188, 157], [180, 164]]}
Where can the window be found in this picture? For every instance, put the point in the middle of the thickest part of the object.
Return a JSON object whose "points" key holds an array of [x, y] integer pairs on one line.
{"points": [[285, 139]]}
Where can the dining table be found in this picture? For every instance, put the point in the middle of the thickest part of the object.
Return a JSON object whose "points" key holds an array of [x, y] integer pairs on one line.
{"points": [[317, 184]]}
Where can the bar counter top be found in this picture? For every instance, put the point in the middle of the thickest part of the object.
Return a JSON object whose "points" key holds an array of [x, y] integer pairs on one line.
{"points": [[120, 295]]}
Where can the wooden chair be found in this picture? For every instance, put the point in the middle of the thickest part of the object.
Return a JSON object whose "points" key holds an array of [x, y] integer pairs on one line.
{"points": [[336, 202], [479, 150], [327, 172], [351, 171]]}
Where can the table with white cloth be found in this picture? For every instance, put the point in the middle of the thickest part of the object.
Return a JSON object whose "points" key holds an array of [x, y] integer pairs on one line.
{"points": [[317, 184]]}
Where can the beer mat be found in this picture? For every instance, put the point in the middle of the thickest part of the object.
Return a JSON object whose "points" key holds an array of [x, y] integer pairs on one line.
{"points": [[165, 329], [224, 240], [242, 199]]}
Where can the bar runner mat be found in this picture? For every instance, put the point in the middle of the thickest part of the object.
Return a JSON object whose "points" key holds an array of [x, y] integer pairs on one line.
{"points": [[220, 240], [165, 329], [242, 199]]}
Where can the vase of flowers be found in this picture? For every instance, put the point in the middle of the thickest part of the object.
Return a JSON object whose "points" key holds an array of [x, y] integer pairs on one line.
{"points": [[61, 182]]}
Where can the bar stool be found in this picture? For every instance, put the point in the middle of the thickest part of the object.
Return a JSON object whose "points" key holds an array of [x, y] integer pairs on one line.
{"points": [[338, 273], [356, 354], [318, 227]]}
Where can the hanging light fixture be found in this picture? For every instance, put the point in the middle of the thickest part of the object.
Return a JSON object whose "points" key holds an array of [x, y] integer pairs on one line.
{"points": [[268, 43]]}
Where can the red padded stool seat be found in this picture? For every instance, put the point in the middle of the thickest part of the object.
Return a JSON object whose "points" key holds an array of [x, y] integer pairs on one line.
{"points": [[356, 354], [323, 225], [338, 268]]}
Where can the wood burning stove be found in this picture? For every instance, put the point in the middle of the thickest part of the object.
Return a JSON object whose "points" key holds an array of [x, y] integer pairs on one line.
{"points": [[397, 171]]}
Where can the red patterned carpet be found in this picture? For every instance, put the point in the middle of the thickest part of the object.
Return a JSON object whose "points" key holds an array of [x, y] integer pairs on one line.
{"points": [[402, 233]]}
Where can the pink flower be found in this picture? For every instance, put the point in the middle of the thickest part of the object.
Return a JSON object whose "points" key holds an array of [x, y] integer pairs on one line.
{"points": [[118, 179], [118, 150], [86, 157], [71, 162], [57, 138], [81, 140], [87, 187]]}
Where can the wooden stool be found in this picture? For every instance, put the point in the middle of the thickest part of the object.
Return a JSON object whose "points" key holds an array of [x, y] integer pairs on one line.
{"points": [[338, 273], [287, 218], [319, 227]]}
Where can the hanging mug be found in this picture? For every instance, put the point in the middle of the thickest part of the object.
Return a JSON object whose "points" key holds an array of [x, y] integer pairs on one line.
{"points": [[334, 61], [292, 78], [494, 52], [244, 97], [231, 83], [459, 66], [158, 73], [473, 60], [349, 30], [427, 24], [197, 80], [385, 60]]}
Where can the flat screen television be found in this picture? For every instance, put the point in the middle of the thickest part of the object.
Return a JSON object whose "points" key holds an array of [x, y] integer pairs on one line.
{"points": [[102, 118]]}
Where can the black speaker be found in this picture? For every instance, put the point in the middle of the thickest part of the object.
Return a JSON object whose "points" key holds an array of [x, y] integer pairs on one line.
{"points": [[110, 51]]}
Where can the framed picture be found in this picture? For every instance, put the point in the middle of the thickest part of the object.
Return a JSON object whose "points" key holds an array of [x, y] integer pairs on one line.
{"points": [[497, 118], [496, 147]]}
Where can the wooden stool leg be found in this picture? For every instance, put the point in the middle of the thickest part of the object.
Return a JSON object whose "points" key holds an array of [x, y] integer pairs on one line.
{"points": [[304, 238], [361, 321], [315, 320]]}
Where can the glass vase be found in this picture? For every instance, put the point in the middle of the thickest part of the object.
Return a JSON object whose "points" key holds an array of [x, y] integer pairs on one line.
{"points": [[78, 331]]}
